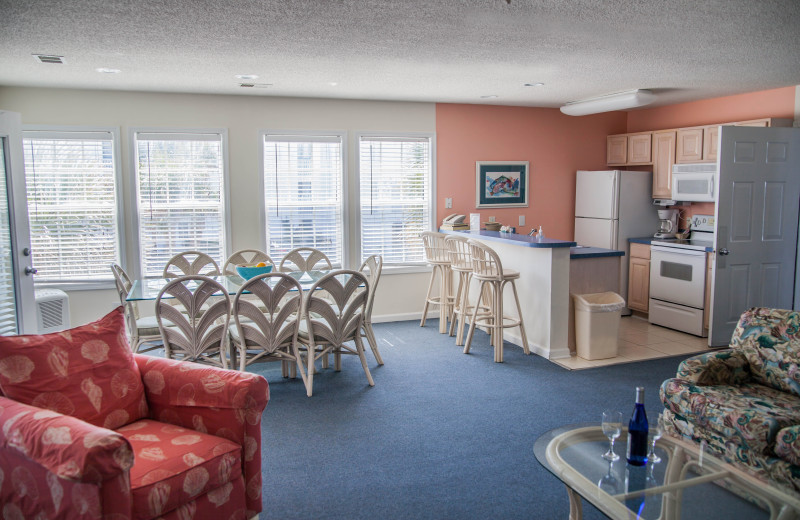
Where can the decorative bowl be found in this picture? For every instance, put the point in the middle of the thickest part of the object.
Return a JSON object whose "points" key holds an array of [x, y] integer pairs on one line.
{"points": [[492, 226], [247, 272]]}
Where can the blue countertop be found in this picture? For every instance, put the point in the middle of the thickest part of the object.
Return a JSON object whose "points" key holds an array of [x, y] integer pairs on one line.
{"points": [[579, 252], [642, 240], [514, 239]]}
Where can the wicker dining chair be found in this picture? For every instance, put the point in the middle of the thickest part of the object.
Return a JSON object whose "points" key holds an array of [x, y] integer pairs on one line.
{"points": [[245, 257], [189, 263], [304, 259], [371, 268], [142, 330]]}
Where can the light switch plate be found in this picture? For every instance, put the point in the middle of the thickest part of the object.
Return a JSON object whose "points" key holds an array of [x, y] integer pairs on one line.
{"points": [[491, 219], [448, 202], [521, 220]]}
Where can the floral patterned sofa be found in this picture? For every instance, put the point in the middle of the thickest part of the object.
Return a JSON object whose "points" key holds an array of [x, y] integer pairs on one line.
{"points": [[745, 401]]}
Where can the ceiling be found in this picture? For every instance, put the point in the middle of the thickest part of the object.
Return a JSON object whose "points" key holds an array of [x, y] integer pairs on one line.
{"points": [[432, 51]]}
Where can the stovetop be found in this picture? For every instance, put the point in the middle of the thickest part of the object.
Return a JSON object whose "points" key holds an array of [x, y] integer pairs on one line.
{"points": [[701, 237]]}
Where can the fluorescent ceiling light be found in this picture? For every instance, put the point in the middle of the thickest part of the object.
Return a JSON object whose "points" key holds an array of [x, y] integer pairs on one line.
{"points": [[618, 101], [106, 70], [247, 76]]}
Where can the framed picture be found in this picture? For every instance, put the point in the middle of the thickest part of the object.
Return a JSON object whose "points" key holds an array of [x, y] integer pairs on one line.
{"points": [[501, 184]]}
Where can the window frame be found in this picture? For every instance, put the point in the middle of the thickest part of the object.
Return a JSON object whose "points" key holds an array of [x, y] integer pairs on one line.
{"points": [[356, 239], [133, 132], [346, 235], [118, 194]]}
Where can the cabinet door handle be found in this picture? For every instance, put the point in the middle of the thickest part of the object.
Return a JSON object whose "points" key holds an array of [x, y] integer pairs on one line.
{"points": [[724, 251]]}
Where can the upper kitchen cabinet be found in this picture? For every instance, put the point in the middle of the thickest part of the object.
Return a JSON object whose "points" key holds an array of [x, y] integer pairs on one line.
{"points": [[690, 145], [629, 149], [767, 121], [663, 159], [710, 143]]}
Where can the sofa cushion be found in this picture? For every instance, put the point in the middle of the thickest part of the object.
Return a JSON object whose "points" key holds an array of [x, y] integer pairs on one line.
{"points": [[770, 341], [87, 372], [173, 466], [787, 445], [749, 415]]}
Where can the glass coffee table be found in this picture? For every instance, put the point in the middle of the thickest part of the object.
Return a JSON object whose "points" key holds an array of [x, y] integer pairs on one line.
{"points": [[682, 485]]}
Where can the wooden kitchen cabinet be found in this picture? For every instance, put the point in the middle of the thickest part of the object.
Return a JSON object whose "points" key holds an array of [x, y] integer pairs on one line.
{"points": [[689, 145], [710, 143], [639, 278], [640, 148], [663, 159], [617, 149]]}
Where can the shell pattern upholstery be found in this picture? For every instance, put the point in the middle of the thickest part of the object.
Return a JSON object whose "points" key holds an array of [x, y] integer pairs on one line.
{"points": [[245, 257], [271, 327], [334, 310], [304, 259], [200, 322], [191, 262]]}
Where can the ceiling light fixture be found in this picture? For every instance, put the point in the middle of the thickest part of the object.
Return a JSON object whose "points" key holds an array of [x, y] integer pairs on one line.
{"points": [[619, 101], [248, 77], [491, 96], [537, 84], [106, 70]]}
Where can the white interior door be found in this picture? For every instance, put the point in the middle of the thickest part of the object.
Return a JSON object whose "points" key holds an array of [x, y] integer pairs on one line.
{"points": [[757, 224], [17, 305]]}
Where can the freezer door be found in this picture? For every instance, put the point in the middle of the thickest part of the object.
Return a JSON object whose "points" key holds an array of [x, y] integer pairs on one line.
{"points": [[596, 232], [596, 194]]}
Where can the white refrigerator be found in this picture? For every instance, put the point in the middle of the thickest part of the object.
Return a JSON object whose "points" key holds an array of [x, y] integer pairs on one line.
{"points": [[611, 207]]}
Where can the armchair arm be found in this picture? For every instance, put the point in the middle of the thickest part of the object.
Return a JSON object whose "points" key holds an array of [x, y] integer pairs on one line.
{"points": [[65, 446], [212, 400], [726, 367]]}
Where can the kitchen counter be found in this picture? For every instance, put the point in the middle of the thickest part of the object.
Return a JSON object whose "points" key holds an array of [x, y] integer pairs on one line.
{"points": [[580, 252], [514, 239], [702, 245]]}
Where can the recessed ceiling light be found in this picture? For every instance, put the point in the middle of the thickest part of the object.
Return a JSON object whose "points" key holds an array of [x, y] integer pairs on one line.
{"points": [[248, 77], [491, 96], [333, 83], [106, 70], [537, 84]]}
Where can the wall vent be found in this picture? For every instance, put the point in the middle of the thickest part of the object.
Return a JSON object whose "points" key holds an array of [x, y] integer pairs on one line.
{"points": [[255, 85], [49, 58]]}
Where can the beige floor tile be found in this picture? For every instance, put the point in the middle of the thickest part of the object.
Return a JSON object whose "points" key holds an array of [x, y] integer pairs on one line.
{"points": [[637, 352], [676, 348]]}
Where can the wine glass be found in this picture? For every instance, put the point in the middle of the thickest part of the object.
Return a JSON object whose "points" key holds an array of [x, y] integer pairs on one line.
{"points": [[612, 428], [608, 482], [655, 431]]}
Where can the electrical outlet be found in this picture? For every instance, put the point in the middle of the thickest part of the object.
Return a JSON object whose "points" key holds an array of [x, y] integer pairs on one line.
{"points": [[448, 202], [521, 220], [491, 219]]}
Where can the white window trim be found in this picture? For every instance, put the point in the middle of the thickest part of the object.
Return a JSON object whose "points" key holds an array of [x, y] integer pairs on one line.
{"points": [[134, 191], [262, 134], [121, 236], [355, 246]]}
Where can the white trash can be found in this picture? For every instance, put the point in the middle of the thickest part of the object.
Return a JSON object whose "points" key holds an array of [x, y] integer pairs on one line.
{"points": [[597, 324]]}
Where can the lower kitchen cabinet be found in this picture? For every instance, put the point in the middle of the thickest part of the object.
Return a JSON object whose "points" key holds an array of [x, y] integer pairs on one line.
{"points": [[639, 278]]}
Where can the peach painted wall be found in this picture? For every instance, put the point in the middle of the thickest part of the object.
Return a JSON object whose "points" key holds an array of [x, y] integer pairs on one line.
{"points": [[777, 103], [555, 145], [755, 105]]}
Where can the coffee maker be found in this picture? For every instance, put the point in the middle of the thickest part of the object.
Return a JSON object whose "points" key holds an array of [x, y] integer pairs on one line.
{"points": [[667, 224]]}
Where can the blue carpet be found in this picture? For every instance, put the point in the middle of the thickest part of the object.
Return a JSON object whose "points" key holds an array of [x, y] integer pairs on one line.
{"points": [[441, 434]]}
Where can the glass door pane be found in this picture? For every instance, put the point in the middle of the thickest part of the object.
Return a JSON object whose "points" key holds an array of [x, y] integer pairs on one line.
{"points": [[8, 306]]}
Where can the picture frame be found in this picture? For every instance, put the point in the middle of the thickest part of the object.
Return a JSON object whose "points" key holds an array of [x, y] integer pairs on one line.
{"points": [[501, 184]]}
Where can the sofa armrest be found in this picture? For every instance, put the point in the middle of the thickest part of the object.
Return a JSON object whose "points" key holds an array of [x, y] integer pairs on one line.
{"points": [[787, 444], [65, 446], [226, 403], [725, 367]]}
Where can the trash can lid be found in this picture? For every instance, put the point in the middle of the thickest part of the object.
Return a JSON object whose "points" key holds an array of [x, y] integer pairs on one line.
{"points": [[599, 302]]}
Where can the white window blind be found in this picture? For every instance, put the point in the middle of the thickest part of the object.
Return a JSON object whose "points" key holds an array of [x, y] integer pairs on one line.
{"points": [[71, 180], [303, 194], [395, 195], [8, 305], [181, 207]]}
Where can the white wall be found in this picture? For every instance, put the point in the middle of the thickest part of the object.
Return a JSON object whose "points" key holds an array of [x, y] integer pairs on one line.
{"points": [[399, 296]]}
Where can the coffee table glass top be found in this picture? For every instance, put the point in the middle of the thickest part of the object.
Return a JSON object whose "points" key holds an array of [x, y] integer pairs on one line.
{"points": [[573, 454]]}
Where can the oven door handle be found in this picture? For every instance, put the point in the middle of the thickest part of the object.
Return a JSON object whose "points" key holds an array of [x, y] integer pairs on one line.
{"points": [[677, 250]]}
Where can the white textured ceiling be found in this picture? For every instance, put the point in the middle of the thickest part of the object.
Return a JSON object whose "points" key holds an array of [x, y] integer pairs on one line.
{"points": [[437, 50]]}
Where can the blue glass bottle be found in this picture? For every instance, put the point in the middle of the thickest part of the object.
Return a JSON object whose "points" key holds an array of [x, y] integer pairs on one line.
{"points": [[637, 432]]}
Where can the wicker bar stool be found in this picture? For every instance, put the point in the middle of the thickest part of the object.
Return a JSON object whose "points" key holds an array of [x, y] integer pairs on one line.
{"points": [[461, 264], [489, 271], [438, 257]]}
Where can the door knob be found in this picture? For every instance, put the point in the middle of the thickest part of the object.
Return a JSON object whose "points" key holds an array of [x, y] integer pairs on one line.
{"points": [[724, 251], [31, 270]]}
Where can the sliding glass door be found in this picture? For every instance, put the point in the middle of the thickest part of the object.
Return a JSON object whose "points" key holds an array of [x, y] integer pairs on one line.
{"points": [[17, 306]]}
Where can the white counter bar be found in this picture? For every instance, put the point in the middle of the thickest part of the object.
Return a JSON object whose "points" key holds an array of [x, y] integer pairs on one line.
{"points": [[543, 287]]}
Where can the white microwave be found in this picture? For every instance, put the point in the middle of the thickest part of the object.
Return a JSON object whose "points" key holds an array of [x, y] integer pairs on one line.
{"points": [[694, 182]]}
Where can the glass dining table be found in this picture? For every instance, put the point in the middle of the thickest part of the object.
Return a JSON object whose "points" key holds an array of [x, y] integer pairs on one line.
{"points": [[148, 288]]}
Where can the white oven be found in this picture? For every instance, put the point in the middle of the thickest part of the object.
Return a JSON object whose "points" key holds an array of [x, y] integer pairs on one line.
{"points": [[677, 287], [694, 182]]}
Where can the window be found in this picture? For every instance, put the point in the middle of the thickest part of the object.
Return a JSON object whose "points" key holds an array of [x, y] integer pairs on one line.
{"points": [[395, 197], [303, 196], [72, 181], [180, 178]]}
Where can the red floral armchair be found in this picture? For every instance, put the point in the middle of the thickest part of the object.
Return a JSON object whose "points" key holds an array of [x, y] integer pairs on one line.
{"points": [[90, 430]]}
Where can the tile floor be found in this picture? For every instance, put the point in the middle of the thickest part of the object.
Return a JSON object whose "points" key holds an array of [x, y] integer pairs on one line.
{"points": [[639, 340]]}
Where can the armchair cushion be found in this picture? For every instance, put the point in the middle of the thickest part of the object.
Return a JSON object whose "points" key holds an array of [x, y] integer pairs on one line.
{"points": [[727, 367], [86, 372], [174, 465], [787, 445], [770, 341]]}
